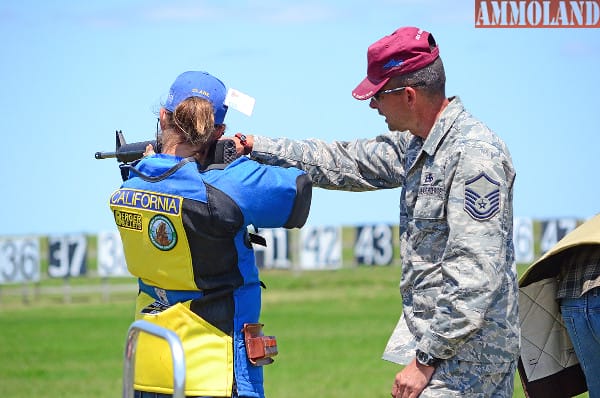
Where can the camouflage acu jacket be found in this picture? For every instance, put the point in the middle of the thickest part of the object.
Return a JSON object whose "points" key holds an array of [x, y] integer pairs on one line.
{"points": [[459, 282]]}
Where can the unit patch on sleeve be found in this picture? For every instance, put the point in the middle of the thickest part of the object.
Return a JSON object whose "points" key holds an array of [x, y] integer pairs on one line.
{"points": [[482, 197]]}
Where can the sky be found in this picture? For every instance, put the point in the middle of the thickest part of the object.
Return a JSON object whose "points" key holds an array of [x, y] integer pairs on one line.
{"points": [[72, 73]]}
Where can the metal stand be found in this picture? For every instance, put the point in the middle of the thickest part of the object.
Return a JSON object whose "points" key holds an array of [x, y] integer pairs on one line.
{"points": [[176, 352]]}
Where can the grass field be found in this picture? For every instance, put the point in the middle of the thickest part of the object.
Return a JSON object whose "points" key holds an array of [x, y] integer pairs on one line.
{"points": [[331, 329]]}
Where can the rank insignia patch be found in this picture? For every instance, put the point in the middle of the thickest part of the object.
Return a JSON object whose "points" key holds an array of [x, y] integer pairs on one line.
{"points": [[482, 197]]}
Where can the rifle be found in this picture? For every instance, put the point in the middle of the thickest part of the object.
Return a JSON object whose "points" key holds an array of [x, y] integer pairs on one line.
{"points": [[222, 151], [124, 152]]}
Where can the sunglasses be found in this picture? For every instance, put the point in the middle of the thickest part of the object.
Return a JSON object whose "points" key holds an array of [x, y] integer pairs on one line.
{"points": [[377, 95]]}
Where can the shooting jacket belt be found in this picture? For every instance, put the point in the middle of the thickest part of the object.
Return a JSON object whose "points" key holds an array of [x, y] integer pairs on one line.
{"points": [[169, 297]]}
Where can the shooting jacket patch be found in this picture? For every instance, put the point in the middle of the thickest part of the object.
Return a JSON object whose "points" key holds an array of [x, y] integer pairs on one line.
{"points": [[128, 220], [162, 232], [144, 200], [482, 197]]}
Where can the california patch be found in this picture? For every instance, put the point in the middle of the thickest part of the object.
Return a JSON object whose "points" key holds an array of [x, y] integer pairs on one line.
{"points": [[162, 232], [482, 197]]}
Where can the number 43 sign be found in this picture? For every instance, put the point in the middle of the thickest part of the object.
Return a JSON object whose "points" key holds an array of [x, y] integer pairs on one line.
{"points": [[374, 245]]}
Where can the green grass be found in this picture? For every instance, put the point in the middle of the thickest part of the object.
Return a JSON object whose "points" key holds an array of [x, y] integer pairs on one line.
{"points": [[63, 351], [331, 329]]}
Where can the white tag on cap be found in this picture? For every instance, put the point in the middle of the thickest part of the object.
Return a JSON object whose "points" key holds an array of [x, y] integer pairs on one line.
{"points": [[239, 101]]}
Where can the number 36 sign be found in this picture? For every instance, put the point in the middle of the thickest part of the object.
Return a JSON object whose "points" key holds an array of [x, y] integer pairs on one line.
{"points": [[19, 260]]}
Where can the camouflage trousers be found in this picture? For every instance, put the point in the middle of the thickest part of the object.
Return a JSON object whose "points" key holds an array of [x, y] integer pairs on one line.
{"points": [[472, 380]]}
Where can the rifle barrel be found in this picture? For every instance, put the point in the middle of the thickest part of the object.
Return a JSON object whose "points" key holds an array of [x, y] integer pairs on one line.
{"points": [[105, 155], [127, 152]]}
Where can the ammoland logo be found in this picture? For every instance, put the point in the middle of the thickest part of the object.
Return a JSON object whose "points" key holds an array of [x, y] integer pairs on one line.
{"points": [[537, 13]]}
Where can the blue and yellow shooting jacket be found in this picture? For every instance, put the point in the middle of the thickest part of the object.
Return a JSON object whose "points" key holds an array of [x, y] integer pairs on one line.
{"points": [[185, 236]]}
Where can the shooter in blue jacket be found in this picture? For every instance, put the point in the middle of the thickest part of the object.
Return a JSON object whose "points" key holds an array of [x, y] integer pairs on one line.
{"points": [[183, 223]]}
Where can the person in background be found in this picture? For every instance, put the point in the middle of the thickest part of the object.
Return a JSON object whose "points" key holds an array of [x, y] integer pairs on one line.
{"points": [[459, 335], [570, 270], [183, 223], [579, 296]]}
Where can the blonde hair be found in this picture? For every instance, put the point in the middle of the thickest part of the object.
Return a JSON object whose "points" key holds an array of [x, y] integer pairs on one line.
{"points": [[194, 120]]}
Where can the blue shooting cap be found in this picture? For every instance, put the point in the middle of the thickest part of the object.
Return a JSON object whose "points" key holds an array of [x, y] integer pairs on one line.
{"points": [[198, 84]]}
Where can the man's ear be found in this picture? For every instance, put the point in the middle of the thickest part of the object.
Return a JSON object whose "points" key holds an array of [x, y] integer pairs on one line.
{"points": [[411, 96]]}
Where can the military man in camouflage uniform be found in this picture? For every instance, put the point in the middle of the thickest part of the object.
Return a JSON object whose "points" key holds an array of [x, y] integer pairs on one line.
{"points": [[459, 333]]}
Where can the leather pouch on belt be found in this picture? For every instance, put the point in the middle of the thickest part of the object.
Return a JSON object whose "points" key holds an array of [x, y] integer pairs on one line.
{"points": [[260, 348]]}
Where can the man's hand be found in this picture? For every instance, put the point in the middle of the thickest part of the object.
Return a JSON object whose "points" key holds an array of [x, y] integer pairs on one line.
{"points": [[412, 380], [243, 143]]}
